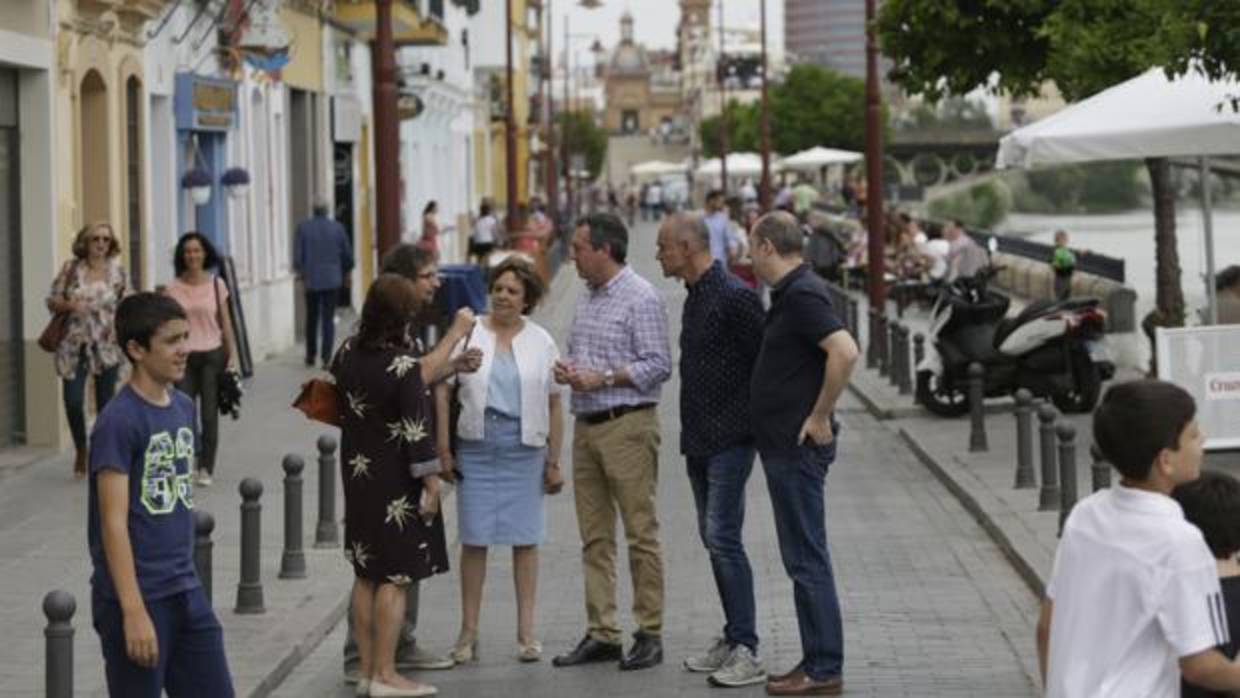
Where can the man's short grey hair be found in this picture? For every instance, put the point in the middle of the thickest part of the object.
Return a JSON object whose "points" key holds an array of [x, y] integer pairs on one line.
{"points": [[690, 226], [782, 230]]}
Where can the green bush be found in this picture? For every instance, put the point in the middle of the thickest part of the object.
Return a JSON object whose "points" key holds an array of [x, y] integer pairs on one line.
{"points": [[1100, 187], [983, 205]]}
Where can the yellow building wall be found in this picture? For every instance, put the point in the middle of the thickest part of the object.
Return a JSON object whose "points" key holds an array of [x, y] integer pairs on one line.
{"points": [[92, 182], [25, 17], [305, 68]]}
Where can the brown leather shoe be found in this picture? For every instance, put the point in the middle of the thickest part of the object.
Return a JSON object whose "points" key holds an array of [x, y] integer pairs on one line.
{"points": [[798, 683], [776, 678]]}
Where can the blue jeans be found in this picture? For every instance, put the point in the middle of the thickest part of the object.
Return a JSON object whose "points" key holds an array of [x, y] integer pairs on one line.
{"points": [[719, 491], [191, 649], [321, 311], [796, 479], [75, 397]]}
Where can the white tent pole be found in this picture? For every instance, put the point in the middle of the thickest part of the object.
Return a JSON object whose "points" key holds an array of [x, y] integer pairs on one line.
{"points": [[1208, 220]]}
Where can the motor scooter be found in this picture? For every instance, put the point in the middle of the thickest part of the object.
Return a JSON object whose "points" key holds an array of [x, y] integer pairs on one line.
{"points": [[1055, 349]]}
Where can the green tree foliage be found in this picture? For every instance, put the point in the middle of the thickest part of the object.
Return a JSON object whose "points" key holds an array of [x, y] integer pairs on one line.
{"points": [[950, 114], [980, 206], [582, 136], [812, 106], [941, 47], [1096, 187]]}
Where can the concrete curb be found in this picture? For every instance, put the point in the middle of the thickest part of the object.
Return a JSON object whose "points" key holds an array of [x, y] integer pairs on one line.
{"points": [[980, 506], [300, 651]]}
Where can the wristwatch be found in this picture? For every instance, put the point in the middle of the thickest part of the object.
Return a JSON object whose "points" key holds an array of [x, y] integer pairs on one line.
{"points": [[609, 378]]}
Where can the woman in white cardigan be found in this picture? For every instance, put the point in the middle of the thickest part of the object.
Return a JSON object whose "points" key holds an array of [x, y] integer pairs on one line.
{"points": [[507, 451]]}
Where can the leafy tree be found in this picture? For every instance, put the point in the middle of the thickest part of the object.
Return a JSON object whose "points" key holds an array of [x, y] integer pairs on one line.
{"points": [[743, 129], [812, 106], [950, 114], [941, 47], [582, 136]]}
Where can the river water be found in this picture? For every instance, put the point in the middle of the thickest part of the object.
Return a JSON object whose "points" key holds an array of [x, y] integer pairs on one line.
{"points": [[1130, 236]]}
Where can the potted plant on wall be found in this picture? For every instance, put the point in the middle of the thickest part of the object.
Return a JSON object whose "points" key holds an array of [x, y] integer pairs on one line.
{"points": [[237, 180], [198, 182]]}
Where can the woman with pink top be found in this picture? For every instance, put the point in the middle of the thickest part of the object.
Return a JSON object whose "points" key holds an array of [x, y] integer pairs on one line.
{"points": [[204, 296]]}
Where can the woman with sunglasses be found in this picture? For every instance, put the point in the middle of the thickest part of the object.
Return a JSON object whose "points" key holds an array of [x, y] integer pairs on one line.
{"points": [[88, 288]]}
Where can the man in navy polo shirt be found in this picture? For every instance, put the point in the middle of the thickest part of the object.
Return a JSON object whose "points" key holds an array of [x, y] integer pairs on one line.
{"points": [[806, 359]]}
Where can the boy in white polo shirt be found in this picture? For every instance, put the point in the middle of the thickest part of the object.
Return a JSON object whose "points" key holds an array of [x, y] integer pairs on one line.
{"points": [[1134, 598]]}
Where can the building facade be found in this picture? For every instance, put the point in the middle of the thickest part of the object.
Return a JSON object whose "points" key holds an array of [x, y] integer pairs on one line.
{"points": [[642, 87], [830, 33]]}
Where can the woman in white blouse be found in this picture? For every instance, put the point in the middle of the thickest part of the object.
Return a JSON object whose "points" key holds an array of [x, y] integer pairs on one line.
{"points": [[507, 451]]}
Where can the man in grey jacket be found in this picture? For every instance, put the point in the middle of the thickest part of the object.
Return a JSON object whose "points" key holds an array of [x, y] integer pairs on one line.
{"points": [[322, 259]]}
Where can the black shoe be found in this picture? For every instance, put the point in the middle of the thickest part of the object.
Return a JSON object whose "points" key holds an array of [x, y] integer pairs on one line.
{"points": [[590, 650], [647, 650], [310, 361]]}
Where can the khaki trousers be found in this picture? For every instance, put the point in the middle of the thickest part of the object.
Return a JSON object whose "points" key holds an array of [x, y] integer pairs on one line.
{"points": [[616, 466]]}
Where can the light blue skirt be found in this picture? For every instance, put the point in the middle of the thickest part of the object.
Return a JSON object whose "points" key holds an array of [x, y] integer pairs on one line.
{"points": [[500, 494]]}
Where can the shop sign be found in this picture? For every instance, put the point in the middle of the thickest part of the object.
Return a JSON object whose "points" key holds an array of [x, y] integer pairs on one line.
{"points": [[205, 104]]}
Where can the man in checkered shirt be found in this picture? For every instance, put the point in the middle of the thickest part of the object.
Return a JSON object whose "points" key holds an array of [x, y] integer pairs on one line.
{"points": [[618, 358]]}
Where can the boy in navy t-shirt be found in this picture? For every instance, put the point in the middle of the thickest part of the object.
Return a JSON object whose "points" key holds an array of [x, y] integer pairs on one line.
{"points": [[155, 624]]}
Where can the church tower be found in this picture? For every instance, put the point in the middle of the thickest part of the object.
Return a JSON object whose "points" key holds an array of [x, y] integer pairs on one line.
{"points": [[693, 32]]}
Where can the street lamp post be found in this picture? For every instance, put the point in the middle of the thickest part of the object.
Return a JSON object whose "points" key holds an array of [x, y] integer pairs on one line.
{"points": [[874, 166], [510, 129], [387, 134], [721, 76], [549, 171], [765, 191]]}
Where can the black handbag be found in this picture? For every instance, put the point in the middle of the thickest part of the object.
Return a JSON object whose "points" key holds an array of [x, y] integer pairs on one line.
{"points": [[230, 394]]}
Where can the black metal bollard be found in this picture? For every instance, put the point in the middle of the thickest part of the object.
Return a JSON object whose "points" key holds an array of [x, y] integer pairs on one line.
{"points": [[853, 317], [58, 606], [1067, 471], [293, 561], [919, 348], [884, 344], [905, 383], [893, 353], [204, 524], [871, 347], [1100, 471], [977, 408], [1048, 497], [1025, 477], [326, 534], [250, 588]]}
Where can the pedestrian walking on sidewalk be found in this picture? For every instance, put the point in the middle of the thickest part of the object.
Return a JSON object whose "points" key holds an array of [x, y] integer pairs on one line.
{"points": [[417, 265], [322, 259], [508, 449], [156, 626], [393, 532], [485, 235], [88, 288], [721, 333], [212, 350], [1134, 602], [805, 362], [618, 359], [1063, 263], [430, 228]]}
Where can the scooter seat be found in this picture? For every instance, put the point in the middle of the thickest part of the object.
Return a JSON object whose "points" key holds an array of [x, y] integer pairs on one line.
{"points": [[1008, 325]]}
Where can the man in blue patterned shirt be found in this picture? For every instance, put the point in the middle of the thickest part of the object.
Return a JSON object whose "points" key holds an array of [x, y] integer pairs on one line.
{"points": [[617, 360], [720, 337]]}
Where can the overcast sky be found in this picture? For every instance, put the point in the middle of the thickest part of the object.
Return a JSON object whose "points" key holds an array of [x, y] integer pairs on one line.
{"points": [[654, 21]]}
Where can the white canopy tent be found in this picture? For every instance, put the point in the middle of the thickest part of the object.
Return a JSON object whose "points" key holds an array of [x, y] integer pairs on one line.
{"points": [[739, 165], [1147, 116], [657, 168], [819, 157]]}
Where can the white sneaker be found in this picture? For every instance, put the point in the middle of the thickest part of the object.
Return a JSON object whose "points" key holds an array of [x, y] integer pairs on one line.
{"points": [[742, 668], [203, 479], [712, 659]]}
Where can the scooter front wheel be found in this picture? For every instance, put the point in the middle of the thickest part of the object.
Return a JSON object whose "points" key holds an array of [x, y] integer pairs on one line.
{"points": [[939, 399]]}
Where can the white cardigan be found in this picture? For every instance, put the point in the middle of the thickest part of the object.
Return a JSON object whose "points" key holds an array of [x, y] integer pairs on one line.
{"points": [[536, 353]]}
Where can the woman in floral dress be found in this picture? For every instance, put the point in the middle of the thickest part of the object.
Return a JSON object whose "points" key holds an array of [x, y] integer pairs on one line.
{"points": [[393, 528], [88, 287]]}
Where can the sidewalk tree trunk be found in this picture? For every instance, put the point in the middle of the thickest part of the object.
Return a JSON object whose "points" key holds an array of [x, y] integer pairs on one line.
{"points": [[1083, 46]]}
